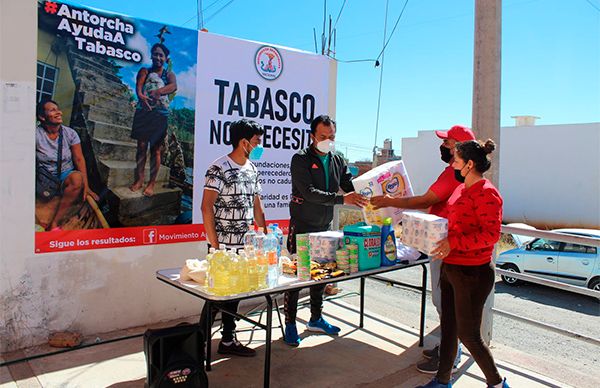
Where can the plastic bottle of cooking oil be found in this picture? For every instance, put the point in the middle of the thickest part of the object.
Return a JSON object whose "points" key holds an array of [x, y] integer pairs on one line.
{"points": [[252, 272], [209, 279], [234, 273], [219, 271], [244, 276]]}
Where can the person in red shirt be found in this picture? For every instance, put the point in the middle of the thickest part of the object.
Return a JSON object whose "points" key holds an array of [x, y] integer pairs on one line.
{"points": [[436, 200], [474, 222]]}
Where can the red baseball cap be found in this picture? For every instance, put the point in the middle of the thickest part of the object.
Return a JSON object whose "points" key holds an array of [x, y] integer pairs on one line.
{"points": [[457, 132]]}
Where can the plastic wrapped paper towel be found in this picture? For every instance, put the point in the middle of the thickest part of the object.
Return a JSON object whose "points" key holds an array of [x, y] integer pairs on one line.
{"points": [[195, 270], [323, 245], [389, 178], [423, 231]]}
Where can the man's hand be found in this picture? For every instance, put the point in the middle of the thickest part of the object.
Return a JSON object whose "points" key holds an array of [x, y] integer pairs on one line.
{"points": [[442, 250], [380, 201], [355, 199]]}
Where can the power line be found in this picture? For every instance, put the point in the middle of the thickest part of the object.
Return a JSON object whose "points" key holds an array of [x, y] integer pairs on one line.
{"points": [[200, 24], [387, 3], [393, 29], [219, 10], [202, 12], [376, 60], [339, 14], [360, 60], [355, 147], [593, 5]]}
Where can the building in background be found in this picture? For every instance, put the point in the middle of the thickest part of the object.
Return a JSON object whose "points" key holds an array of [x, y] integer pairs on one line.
{"points": [[549, 174], [385, 154], [362, 166]]}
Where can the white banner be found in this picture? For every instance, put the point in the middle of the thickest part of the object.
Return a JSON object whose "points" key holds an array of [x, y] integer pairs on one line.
{"points": [[281, 88]]}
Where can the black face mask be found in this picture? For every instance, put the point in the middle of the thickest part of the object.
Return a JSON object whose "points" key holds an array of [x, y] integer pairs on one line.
{"points": [[458, 176], [446, 155]]}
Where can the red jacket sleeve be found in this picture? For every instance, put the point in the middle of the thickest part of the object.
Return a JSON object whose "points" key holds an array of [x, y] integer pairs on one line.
{"points": [[486, 231]]}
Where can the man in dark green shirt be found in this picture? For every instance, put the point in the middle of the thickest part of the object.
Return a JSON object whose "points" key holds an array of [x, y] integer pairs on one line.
{"points": [[318, 174]]}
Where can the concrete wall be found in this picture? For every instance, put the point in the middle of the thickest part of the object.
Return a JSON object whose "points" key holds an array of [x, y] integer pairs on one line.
{"points": [[549, 174], [91, 292], [421, 156], [65, 80]]}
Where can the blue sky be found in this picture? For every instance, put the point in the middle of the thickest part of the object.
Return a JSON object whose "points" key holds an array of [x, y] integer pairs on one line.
{"points": [[550, 57], [183, 45]]}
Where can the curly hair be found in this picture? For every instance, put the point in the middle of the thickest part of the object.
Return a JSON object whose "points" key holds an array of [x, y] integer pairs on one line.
{"points": [[478, 152]]}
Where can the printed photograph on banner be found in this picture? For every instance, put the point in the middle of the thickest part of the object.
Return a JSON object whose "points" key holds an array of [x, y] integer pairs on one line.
{"points": [[114, 123]]}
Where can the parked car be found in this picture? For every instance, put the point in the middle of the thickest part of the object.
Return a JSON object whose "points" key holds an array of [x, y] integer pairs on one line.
{"points": [[564, 262]]}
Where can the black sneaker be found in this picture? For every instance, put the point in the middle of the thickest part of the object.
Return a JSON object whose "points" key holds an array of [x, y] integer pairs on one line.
{"points": [[236, 348], [431, 366], [431, 353]]}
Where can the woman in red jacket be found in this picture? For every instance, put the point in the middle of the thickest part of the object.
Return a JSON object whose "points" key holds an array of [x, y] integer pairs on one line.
{"points": [[474, 221]]}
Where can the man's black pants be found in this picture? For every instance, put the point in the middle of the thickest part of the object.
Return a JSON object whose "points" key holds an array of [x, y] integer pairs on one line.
{"points": [[290, 302]]}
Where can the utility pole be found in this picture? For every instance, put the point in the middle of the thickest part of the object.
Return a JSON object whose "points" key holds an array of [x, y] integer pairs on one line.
{"points": [[387, 3], [486, 102]]}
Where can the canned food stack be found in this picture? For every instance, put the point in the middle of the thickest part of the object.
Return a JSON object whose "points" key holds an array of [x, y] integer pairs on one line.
{"points": [[302, 250], [352, 257], [423, 231], [342, 260]]}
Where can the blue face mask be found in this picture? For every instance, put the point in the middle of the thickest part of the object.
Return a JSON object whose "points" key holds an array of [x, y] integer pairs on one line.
{"points": [[256, 152]]}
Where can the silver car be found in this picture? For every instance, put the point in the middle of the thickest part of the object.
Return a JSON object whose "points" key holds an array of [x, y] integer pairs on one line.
{"points": [[564, 262]]}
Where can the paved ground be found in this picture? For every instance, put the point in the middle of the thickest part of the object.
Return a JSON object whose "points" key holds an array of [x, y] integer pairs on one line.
{"points": [[383, 354], [569, 360]]}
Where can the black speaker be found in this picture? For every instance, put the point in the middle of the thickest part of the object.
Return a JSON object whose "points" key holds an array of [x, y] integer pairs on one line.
{"points": [[175, 357]]}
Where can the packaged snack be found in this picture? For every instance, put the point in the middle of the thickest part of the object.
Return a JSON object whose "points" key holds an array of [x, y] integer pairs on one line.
{"points": [[323, 245], [423, 231], [389, 178]]}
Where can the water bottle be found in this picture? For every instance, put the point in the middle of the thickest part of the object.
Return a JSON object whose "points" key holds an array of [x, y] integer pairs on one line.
{"points": [[279, 234], [250, 240], [261, 259], [271, 243]]}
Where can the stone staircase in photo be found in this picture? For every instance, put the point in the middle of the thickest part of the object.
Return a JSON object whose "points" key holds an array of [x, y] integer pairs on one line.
{"points": [[106, 110]]}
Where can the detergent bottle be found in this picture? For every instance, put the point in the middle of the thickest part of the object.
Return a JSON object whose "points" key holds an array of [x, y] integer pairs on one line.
{"points": [[388, 243]]}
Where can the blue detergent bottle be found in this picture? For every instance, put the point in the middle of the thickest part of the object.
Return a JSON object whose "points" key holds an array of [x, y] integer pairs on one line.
{"points": [[389, 252]]}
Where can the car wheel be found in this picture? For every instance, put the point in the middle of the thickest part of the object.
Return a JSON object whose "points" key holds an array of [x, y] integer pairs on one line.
{"points": [[595, 284], [507, 279]]}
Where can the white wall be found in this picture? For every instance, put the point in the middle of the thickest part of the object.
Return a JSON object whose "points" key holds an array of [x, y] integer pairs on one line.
{"points": [[90, 292], [421, 156], [549, 174]]}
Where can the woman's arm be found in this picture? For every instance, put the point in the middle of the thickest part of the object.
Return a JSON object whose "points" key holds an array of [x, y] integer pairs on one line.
{"points": [[139, 87], [79, 162], [489, 223], [417, 202], [169, 88]]}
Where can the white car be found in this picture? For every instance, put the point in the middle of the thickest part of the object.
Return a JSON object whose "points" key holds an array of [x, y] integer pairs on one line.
{"points": [[564, 262]]}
